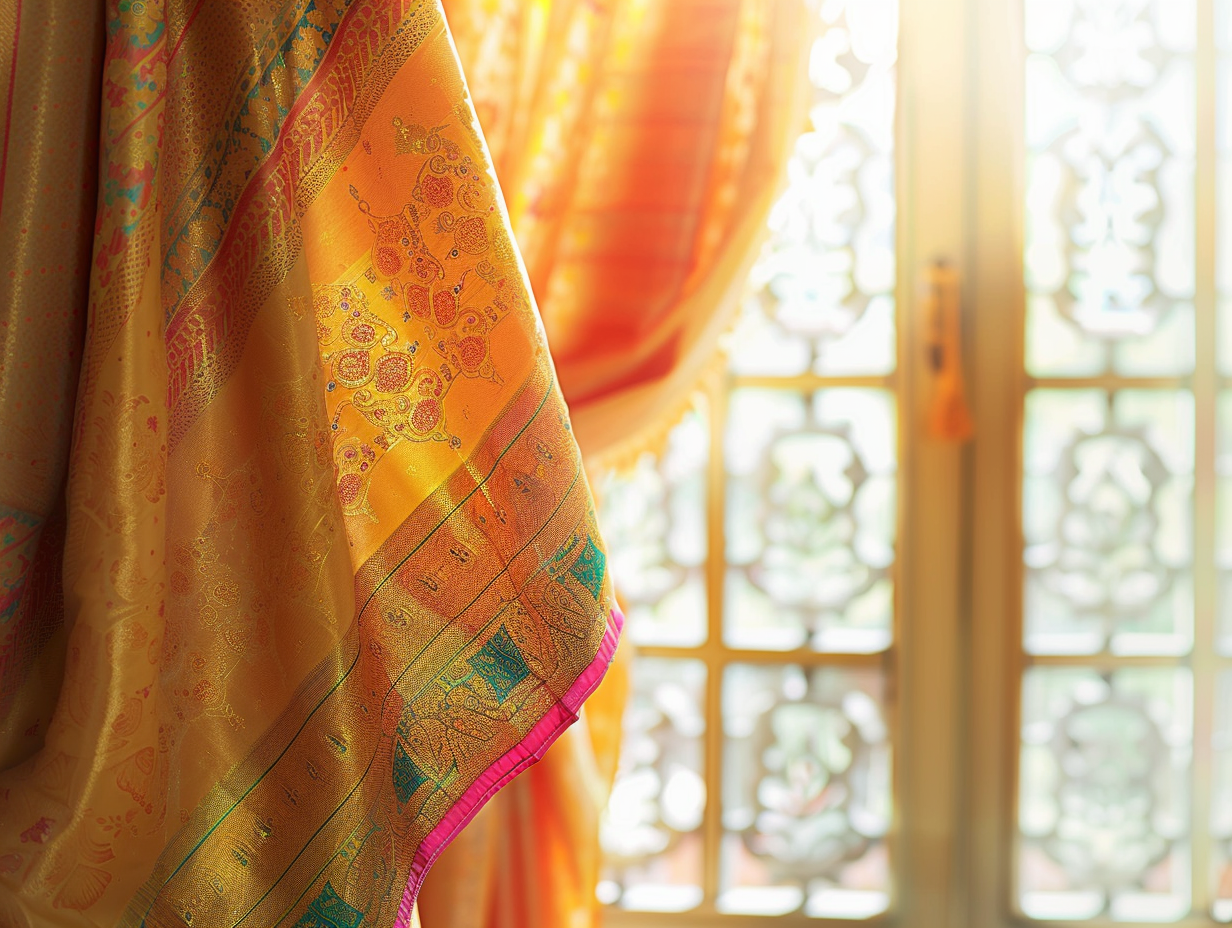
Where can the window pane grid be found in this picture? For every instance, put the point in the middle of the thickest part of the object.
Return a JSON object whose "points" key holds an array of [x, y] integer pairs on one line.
{"points": [[800, 523], [1123, 498], [638, 882]]}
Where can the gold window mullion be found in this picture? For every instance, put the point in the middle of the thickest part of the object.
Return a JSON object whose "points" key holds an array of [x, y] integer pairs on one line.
{"points": [[1205, 662], [715, 567]]}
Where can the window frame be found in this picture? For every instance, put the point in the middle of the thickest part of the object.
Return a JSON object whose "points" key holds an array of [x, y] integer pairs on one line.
{"points": [[921, 666], [992, 501], [955, 666]]}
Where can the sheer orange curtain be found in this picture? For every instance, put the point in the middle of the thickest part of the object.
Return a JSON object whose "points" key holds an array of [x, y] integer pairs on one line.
{"points": [[639, 145]]}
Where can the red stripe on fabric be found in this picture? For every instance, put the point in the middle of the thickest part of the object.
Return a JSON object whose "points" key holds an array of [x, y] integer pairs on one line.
{"points": [[158, 48], [273, 161], [8, 107], [141, 117], [183, 32]]}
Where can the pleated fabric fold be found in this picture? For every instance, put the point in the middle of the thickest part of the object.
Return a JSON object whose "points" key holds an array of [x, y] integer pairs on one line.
{"points": [[642, 144], [330, 573]]}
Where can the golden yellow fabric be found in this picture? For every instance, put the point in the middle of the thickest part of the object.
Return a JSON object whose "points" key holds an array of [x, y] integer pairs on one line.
{"points": [[640, 144], [47, 191], [531, 857], [330, 569]]}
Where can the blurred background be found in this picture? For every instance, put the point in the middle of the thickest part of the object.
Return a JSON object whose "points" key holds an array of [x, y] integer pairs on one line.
{"points": [[898, 337]]}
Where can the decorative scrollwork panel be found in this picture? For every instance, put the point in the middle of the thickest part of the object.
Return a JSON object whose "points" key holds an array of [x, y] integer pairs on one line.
{"points": [[822, 293], [1221, 801], [1111, 142], [1103, 811], [1223, 135], [651, 830], [811, 519], [806, 792], [1223, 522], [1107, 513], [654, 521]]}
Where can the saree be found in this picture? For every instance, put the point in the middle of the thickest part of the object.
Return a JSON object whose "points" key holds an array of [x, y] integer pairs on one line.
{"points": [[641, 143], [300, 563]]}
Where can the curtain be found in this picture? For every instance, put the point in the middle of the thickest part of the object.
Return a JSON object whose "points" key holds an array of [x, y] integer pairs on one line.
{"points": [[640, 144], [299, 562]]}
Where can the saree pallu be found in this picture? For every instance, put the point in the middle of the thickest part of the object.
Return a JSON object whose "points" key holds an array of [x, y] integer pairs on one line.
{"points": [[640, 143], [327, 572], [531, 858]]}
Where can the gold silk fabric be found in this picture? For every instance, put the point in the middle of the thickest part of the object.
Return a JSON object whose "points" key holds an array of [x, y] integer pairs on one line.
{"points": [[49, 93], [640, 144], [300, 565], [531, 857]]}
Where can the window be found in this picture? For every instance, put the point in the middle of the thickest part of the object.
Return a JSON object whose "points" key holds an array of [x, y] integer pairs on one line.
{"points": [[886, 677], [755, 556]]}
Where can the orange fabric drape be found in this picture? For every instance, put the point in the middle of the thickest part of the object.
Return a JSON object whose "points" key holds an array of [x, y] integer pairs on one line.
{"points": [[639, 145]]}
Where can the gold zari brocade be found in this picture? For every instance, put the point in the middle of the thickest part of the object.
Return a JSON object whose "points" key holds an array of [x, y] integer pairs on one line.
{"points": [[641, 144], [331, 574]]}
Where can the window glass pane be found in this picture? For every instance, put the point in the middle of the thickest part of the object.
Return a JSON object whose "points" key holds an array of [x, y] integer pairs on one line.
{"points": [[822, 294], [1111, 139], [1223, 135], [651, 832], [654, 521], [811, 514], [1223, 522], [807, 507], [1221, 801], [1103, 810], [1107, 487], [1112, 566], [806, 792]]}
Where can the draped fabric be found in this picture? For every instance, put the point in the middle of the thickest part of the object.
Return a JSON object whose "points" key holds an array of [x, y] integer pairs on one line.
{"points": [[49, 102], [531, 859], [640, 143], [299, 561]]}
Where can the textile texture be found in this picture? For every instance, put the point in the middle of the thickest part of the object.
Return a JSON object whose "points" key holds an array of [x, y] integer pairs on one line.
{"points": [[299, 564], [641, 144]]}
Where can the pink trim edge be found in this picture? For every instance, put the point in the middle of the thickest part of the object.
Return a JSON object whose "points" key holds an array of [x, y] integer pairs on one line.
{"points": [[526, 752]]}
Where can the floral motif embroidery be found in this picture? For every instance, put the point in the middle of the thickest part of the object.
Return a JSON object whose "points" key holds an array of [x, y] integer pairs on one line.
{"points": [[328, 910], [19, 534], [443, 275], [38, 832]]}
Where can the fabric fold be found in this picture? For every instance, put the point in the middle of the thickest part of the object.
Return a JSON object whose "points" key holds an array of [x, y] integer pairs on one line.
{"points": [[331, 573], [642, 143]]}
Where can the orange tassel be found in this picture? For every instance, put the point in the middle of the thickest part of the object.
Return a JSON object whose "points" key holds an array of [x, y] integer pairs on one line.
{"points": [[949, 418]]}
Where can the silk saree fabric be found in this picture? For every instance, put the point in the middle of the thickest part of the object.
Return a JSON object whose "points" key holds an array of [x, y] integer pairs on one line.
{"points": [[300, 561], [641, 144], [531, 857]]}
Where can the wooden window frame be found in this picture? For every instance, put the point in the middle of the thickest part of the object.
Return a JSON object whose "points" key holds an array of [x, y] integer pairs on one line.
{"points": [[995, 299], [955, 665]]}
